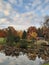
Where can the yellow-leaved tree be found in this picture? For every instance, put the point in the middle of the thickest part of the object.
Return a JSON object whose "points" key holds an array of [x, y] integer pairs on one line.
{"points": [[33, 35]]}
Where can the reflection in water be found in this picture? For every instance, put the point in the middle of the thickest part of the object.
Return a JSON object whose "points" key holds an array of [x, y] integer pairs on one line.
{"points": [[20, 60]]}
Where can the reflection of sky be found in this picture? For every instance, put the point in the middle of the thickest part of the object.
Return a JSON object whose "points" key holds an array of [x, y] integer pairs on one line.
{"points": [[21, 60], [18, 13]]}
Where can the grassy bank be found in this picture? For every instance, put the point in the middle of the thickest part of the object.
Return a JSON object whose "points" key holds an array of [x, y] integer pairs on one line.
{"points": [[46, 64], [2, 41]]}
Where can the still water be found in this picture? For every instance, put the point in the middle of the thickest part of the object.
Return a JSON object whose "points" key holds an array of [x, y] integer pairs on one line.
{"points": [[20, 60]]}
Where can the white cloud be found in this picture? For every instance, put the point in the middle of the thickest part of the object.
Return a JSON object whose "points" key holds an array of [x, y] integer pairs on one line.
{"points": [[16, 2], [5, 8], [20, 2], [12, 1], [6, 12], [22, 20], [2, 20], [27, 7]]}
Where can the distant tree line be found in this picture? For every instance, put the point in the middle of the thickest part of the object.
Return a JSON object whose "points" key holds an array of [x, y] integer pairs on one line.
{"points": [[32, 33]]}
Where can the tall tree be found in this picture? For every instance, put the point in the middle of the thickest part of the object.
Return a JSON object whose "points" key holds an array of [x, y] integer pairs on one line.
{"points": [[40, 32], [46, 22], [10, 37], [24, 35], [31, 32], [46, 33]]}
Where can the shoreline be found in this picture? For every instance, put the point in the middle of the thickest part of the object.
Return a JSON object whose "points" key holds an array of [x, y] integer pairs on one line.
{"points": [[32, 53]]}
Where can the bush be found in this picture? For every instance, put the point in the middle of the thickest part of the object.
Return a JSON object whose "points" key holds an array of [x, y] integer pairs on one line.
{"points": [[17, 39], [23, 44]]}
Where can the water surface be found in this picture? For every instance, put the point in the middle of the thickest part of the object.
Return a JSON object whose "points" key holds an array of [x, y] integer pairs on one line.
{"points": [[20, 60]]}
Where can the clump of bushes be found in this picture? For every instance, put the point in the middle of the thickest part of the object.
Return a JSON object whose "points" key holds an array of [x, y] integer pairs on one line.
{"points": [[23, 44]]}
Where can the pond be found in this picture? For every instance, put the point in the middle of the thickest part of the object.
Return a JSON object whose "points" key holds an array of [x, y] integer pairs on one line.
{"points": [[22, 59]]}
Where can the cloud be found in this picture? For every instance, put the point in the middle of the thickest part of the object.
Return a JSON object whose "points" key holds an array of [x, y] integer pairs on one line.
{"points": [[21, 14], [2, 20], [6, 12], [16, 2]]}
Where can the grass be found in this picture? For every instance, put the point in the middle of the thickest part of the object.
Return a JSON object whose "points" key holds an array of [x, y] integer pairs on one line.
{"points": [[2, 40], [46, 64]]}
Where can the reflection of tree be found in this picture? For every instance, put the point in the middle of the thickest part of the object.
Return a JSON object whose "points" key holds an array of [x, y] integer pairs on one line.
{"points": [[31, 56]]}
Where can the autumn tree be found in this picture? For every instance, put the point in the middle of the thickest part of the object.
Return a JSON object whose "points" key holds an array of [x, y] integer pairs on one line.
{"points": [[20, 33], [31, 33], [12, 36], [2, 33], [46, 27], [46, 33], [12, 30]]}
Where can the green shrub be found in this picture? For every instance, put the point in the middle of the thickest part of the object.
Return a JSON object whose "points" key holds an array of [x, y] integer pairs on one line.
{"points": [[23, 44]]}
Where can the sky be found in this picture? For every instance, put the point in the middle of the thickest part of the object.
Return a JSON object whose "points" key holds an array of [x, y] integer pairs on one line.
{"points": [[22, 14]]}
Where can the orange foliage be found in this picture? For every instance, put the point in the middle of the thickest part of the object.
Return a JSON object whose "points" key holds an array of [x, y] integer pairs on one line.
{"points": [[31, 32], [20, 33], [2, 33]]}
